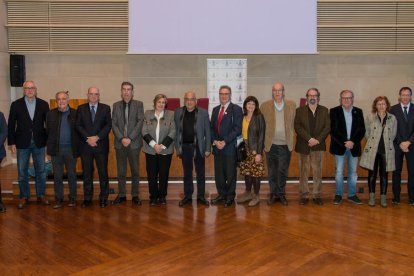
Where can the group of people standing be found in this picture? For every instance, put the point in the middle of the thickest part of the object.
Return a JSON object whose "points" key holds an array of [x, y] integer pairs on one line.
{"points": [[267, 130]]}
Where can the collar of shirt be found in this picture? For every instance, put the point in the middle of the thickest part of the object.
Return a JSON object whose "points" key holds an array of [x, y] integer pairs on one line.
{"points": [[158, 117], [408, 107], [280, 106], [32, 102], [95, 105], [346, 111], [225, 106]]}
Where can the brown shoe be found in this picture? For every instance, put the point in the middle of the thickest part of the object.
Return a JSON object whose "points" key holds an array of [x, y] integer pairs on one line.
{"points": [[22, 203], [43, 200]]}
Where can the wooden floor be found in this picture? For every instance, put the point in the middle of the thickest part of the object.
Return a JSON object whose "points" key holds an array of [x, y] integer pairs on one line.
{"points": [[265, 240]]}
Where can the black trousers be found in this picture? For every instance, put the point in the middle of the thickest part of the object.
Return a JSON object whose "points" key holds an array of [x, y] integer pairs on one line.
{"points": [[187, 159], [158, 170], [380, 165], [225, 175], [101, 160], [396, 175]]}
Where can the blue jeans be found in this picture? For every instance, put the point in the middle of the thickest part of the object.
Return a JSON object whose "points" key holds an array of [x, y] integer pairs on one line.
{"points": [[38, 156], [352, 173]]}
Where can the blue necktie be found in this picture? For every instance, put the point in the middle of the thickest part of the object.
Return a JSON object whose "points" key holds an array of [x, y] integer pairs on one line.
{"points": [[93, 113]]}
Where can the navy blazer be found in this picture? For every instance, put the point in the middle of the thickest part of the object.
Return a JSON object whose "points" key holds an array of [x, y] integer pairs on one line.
{"points": [[100, 127], [3, 135], [230, 128], [22, 128], [339, 134], [405, 130]]}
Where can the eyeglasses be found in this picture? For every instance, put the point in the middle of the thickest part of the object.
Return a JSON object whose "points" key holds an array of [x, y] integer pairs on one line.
{"points": [[347, 98], [224, 94], [312, 96], [29, 88], [189, 99], [278, 90]]}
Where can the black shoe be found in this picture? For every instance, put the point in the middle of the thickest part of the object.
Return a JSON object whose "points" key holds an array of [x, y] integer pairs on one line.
{"points": [[185, 201], [163, 201], [72, 203], [153, 202], [136, 201], [410, 202], [318, 201], [303, 201], [272, 199], [218, 199], [43, 200], [119, 199], [283, 200], [203, 200], [2, 207], [354, 199], [58, 204], [86, 203], [337, 200], [228, 203], [23, 203], [103, 203]]}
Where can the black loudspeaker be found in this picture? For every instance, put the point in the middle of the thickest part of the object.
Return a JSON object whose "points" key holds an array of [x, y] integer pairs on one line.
{"points": [[17, 70]]}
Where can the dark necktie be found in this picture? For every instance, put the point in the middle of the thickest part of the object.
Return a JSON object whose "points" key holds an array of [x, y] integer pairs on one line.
{"points": [[220, 117], [405, 114], [126, 120], [93, 112]]}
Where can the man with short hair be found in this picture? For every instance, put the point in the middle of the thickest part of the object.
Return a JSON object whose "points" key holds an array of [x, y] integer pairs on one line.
{"points": [[93, 123], [62, 145], [193, 144], [127, 121], [27, 137], [347, 131], [279, 115], [404, 113], [312, 126], [226, 126]]}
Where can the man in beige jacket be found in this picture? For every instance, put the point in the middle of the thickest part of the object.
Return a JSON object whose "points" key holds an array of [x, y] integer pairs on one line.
{"points": [[279, 115]]}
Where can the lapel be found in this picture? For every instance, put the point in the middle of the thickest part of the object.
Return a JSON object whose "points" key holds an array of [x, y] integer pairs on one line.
{"points": [[24, 107], [410, 114]]}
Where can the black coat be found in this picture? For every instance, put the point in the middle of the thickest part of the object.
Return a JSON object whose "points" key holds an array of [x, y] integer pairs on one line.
{"points": [[22, 128], [339, 134], [53, 122]]}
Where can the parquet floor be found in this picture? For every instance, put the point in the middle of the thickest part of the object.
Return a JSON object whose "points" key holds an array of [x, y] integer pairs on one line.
{"points": [[197, 240]]}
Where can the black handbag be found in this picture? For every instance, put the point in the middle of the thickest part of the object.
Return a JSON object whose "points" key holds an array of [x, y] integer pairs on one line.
{"points": [[241, 152]]}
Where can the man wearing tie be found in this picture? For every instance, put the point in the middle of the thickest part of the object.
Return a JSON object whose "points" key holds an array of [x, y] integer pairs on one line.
{"points": [[93, 122], [226, 125], [404, 112], [127, 120]]}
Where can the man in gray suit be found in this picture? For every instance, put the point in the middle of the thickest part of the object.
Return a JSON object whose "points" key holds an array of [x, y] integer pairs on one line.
{"points": [[127, 120], [193, 143]]}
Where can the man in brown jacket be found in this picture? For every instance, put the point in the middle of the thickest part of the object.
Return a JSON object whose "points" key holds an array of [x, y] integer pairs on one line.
{"points": [[312, 126], [279, 115]]}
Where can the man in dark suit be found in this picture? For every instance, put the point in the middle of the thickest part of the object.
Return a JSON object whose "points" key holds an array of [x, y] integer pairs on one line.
{"points": [[347, 131], [27, 136], [226, 126], [3, 136], [127, 121], [93, 122], [193, 144], [312, 126], [404, 112]]}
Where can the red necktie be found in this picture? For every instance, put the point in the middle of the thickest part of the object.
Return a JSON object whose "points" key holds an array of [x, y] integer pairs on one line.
{"points": [[220, 117]]}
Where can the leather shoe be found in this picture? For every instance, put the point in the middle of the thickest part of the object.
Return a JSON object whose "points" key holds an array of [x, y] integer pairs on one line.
{"points": [[72, 203], [218, 199], [2, 207], [283, 200], [153, 202], [23, 203], [318, 201], [303, 201], [118, 200], [228, 203], [86, 203], [203, 200], [103, 203], [163, 201], [43, 200], [272, 199], [58, 204], [185, 201], [136, 201]]}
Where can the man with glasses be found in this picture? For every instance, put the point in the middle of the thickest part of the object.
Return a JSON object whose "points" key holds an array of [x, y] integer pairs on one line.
{"points": [[279, 115], [127, 121], [347, 131], [62, 145], [226, 126], [312, 126], [404, 112], [193, 144], [27, 136], [93, 123]]}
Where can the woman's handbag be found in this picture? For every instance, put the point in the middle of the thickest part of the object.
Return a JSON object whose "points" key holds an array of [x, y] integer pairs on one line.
{"points": [[241, 151]]}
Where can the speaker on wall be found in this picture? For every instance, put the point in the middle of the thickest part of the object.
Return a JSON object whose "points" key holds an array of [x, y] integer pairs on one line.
{"points": [[17, 70]]}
